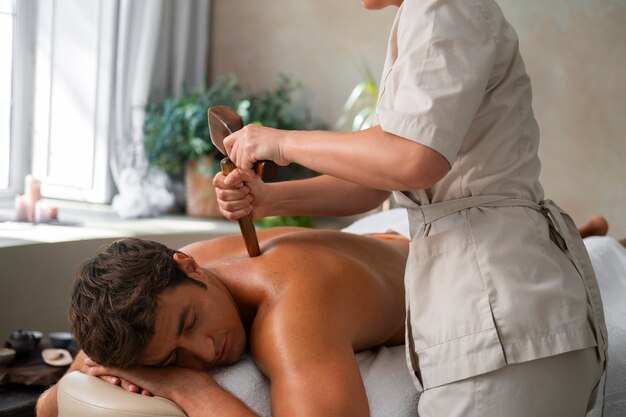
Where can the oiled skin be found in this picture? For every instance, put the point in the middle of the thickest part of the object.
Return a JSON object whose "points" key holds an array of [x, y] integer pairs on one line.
{"points": [[313, 298]]}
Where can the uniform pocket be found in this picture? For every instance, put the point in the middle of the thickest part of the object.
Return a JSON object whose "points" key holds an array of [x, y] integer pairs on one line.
{"points": [[448, 296]]}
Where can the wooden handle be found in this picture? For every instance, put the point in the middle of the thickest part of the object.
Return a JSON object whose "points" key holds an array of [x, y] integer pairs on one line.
{"points": [[245, 223], [267, 170]]}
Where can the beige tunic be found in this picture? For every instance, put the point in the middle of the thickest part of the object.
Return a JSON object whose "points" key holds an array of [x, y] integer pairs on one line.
{"points": [[490, 279]]}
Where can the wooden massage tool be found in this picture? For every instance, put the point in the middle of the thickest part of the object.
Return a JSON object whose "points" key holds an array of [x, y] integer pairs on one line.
{"points": [[222, 122]]}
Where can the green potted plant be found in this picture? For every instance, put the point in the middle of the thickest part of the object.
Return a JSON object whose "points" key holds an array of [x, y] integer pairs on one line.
{"points": [[177, 140]]}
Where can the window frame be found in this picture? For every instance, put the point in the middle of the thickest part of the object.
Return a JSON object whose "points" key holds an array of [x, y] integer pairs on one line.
{"points": [[22, 96]]}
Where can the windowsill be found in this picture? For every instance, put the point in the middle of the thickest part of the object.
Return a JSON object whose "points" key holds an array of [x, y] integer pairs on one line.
{"points": [[82, 221]]}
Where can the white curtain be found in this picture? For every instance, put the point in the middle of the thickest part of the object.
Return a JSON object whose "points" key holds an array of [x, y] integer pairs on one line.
{"points": [[162, 47]]}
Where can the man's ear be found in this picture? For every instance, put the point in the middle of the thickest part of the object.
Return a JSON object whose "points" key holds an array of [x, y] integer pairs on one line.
{"points": [[187, 264]]}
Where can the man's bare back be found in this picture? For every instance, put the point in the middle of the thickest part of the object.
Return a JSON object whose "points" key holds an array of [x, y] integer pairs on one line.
{"points": [[357, 278]]}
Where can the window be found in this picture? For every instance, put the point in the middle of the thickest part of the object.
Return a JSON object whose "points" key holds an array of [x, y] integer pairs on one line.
{"points": [[75, 46], [7, 14], [56, 72]]}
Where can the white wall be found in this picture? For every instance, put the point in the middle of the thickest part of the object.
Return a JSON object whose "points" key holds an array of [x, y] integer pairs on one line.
{"points": [[575, 51]]}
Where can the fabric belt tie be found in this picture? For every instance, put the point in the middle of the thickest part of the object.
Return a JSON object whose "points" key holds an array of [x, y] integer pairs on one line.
{"points": [[567, 235]]}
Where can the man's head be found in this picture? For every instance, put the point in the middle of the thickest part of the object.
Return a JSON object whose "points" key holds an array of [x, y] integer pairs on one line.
{"points": [[114, 302]]}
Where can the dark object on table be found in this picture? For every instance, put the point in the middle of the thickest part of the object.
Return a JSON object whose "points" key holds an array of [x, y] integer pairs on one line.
{"points": [[22, 341], [37, 336], [60, 340], [6, 356], [25, 378]]}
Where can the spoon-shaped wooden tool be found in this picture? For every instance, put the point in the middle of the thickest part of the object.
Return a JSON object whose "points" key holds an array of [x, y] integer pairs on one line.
{"points": [[222, 122]]}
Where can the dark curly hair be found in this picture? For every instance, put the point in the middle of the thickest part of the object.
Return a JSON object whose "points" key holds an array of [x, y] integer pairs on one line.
{"points": [[115, 298]]}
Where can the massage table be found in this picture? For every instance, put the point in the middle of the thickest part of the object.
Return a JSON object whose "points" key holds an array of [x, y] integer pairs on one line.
{"points": [[387, 381]]}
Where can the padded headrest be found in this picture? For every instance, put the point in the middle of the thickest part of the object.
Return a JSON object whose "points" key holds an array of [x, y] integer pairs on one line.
{"points": [[81, 395]]}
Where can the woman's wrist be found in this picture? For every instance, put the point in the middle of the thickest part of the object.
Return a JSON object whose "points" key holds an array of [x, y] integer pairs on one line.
{"points": [[273, 197], [289, 151]]}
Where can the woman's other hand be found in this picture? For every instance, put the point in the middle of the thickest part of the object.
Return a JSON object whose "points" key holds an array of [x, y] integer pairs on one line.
{"points": [[240, 193]]}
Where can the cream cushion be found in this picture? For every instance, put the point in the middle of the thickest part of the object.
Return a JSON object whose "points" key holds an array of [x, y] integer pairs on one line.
{"points": [[81, 395]]}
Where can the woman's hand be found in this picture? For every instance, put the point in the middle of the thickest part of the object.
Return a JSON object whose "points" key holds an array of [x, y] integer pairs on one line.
{"points": [[240, 193], [256, 143]]}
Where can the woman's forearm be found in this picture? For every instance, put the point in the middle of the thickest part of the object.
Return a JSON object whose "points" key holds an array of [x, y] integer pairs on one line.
{"points": [[372, 157], [321, 196]]}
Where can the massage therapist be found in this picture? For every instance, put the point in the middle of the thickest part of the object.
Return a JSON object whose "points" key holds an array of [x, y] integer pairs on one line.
{"points": [[504, 316]]}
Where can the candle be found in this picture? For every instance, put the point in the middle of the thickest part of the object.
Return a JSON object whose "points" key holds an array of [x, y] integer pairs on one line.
{"points": [[32, 191], [22, 208], [45, 212], [32, 188]]}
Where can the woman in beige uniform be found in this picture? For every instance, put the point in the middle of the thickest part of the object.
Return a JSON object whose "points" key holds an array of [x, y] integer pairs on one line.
{"points": [[504, 315]]}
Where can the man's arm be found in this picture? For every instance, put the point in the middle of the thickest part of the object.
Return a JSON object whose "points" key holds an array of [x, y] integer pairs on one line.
{"points": [[194, 391], [47, 403]]}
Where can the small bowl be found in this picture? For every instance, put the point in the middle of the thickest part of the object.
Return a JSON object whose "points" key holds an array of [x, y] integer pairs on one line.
{"points": [[60, 340], [56, 357], [6, 356]]}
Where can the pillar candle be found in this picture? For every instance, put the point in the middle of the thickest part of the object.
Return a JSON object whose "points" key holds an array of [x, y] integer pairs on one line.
{"points": [[32, 191], [45, 212], [22, 208]]}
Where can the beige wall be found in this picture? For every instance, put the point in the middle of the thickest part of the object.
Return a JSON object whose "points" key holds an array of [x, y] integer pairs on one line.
{"points": [[575, 51], [36, 280], [324, 44]]}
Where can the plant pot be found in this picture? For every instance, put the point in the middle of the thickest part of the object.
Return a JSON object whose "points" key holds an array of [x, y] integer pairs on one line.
{"points": [[200, 195]]}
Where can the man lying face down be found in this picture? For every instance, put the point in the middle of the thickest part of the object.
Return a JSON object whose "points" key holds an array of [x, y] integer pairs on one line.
{"points": [[156, 319]]}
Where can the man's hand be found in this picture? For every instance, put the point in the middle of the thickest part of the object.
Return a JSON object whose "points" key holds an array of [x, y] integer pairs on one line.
{"points": [[158, 381], [112, 378]]}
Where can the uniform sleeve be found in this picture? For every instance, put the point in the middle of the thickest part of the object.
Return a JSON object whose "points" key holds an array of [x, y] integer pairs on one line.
{"points": [[445, 55]]}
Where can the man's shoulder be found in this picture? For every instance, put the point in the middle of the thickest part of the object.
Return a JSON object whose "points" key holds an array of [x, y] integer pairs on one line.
{"points": [[232, 246]]}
